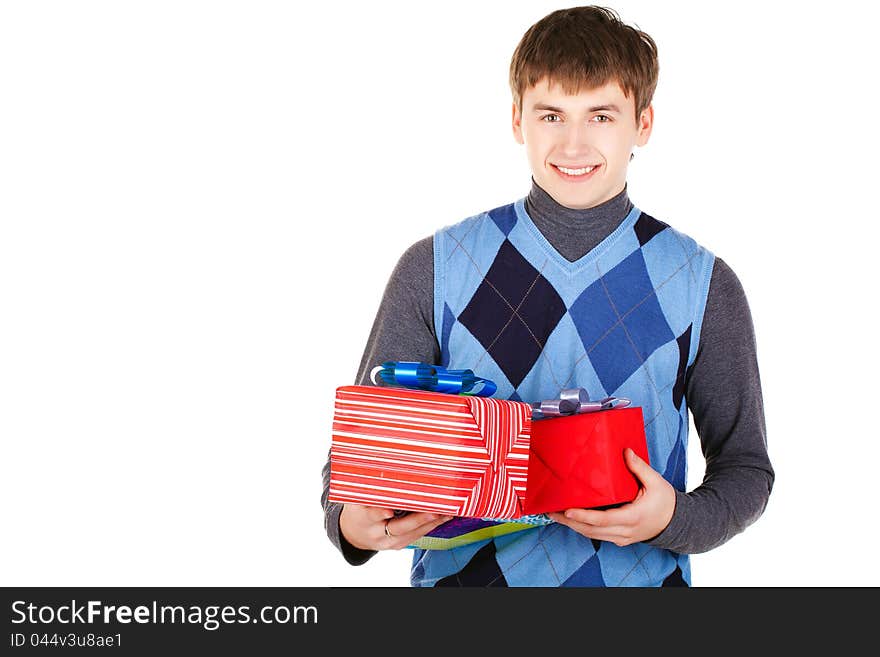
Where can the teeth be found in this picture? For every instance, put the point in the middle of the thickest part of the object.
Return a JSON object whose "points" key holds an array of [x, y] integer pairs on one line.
{"points": [[576, 172]]}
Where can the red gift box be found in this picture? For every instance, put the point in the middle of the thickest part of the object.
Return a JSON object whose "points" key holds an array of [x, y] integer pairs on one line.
{"points": [[577, 460], [477, 457], [428, 451]]}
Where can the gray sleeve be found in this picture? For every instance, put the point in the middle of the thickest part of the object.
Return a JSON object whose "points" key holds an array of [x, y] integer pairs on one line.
{"points": [[723, 391], [402, 331]]}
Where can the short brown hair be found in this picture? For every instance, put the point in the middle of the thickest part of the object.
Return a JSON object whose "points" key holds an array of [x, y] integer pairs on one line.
{"points": [[586, 47]]}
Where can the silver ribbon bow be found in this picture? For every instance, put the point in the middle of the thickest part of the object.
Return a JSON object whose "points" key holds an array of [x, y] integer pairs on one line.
{"points": [[572, 401]]}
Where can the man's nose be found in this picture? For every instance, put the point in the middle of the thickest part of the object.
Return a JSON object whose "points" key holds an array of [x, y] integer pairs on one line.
{"points": [[575, 138]]}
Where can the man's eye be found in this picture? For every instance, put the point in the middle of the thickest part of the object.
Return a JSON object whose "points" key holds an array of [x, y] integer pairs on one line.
{"points": [[547, 118]]}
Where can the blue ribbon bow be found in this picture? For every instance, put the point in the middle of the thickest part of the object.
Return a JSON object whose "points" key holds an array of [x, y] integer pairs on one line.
{"points": [[572, 401], [413, 374]]}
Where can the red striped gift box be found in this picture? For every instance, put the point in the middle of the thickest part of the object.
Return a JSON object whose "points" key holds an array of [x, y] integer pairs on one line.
{"points": [[427, 451]]}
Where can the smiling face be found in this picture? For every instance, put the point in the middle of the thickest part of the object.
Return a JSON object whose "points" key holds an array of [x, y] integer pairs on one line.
{"points": [[579, 146]]}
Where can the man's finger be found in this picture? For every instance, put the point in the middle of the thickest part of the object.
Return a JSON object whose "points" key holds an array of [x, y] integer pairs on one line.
{"points": [[639, 467], [398, 542], [414, 522], [588, 517], [611, 533], [622, 517], [378, 513], [605, 518]]}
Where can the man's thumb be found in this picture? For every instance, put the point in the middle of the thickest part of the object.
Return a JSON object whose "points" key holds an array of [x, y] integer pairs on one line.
{"points": [[637, 465]]}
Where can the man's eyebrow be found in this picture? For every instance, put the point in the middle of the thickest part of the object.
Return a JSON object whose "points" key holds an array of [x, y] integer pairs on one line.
{"points": [[540, 107]]}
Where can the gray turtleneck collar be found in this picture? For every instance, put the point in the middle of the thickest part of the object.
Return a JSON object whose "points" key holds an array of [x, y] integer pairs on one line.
{"points": [[575, 232]]}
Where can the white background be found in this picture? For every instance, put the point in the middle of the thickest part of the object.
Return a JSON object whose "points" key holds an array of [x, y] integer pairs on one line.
{"points": [[201, 203]]}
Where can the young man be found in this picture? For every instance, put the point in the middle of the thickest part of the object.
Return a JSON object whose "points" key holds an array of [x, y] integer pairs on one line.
{"points": [[573, 286]]}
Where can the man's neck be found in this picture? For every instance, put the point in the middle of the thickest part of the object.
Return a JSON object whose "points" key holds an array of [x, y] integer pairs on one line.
{"points": [[575, 232]]}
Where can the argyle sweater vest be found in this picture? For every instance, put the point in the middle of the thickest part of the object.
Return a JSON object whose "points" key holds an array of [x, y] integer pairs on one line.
{"points": [[624, 320]]}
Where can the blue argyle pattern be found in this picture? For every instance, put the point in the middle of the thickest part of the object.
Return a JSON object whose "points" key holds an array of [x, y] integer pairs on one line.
{"points": [[622, 321]]}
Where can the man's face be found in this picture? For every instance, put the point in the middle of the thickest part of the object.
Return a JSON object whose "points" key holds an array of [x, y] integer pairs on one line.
{"points": [[595, 128]]}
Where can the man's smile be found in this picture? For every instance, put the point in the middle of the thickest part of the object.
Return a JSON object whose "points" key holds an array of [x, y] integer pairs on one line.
{"points": [[572, 174]]}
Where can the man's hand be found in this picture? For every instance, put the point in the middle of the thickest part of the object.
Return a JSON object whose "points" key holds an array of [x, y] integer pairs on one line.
{"points": [[365, 527], [642, 519]]}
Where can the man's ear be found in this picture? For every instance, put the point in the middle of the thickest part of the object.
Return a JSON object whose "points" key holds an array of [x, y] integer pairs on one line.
{"points": [[517, 125], [646, 124]]}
